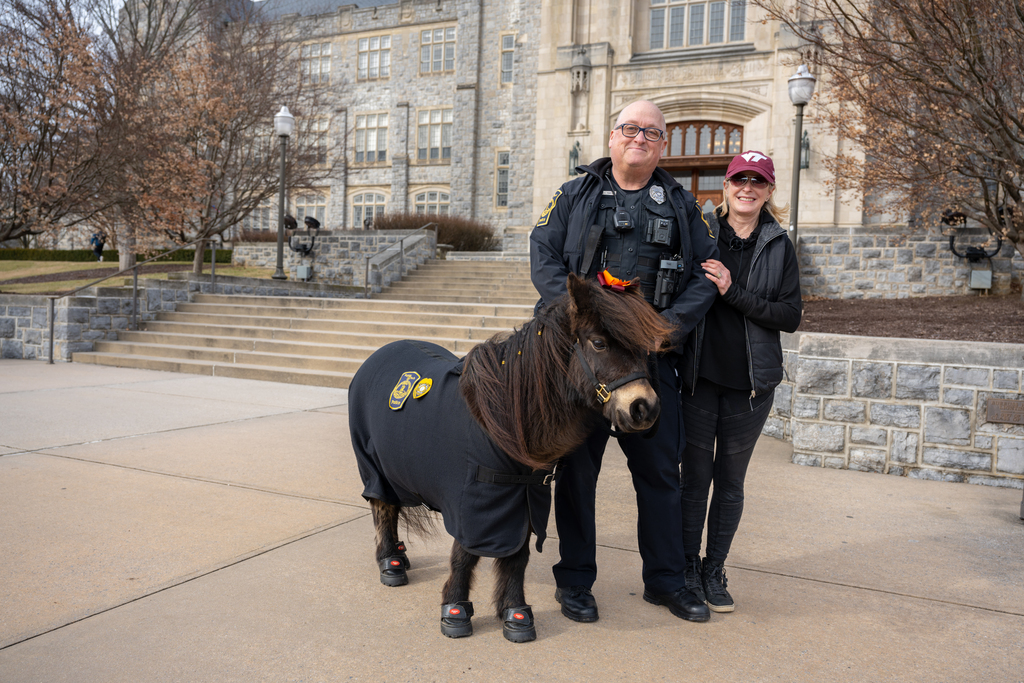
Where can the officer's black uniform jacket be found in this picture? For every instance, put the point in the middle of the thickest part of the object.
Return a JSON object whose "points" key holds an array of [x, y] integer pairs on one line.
{"points": [[558, 243], [770, 303], [428, 453]]}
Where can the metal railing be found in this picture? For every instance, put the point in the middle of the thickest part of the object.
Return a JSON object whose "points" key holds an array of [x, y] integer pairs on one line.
{"points": [[135, 285], [401, 255]]}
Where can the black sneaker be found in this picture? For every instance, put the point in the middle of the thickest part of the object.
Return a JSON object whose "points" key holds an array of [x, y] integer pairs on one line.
{"points": [[578, 603], [693, 579], [713, 576]]}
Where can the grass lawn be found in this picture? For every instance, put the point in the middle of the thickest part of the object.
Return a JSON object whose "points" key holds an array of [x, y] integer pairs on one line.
{"points": [[14, 270]]}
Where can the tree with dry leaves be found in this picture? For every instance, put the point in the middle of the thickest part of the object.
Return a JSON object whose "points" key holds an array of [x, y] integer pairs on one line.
{"points": [[55, 151], [931, 93]]}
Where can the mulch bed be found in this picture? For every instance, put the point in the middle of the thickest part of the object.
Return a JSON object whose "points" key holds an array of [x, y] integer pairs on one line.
{"points": [[958, 318]]}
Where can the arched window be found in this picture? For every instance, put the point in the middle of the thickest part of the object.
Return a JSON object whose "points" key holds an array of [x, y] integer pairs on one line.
{"points": [[691, 140], [735, 141], [719, 140], [367, 205], [432, 203], [705, 140]]}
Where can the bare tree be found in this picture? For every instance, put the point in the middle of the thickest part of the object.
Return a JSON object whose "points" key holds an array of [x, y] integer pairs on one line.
{"points": [[55, 156], [931, 93]]}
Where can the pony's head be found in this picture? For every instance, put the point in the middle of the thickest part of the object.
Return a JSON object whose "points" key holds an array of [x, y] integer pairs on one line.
{"points": [[615, 331]]}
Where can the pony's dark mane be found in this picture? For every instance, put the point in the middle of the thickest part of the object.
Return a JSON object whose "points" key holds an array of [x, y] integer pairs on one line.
{"points": [[518, 385]]}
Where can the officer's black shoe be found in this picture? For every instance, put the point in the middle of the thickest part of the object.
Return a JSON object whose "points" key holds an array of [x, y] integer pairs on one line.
{"points": [[682, 603], [693, 578], [578, 603], [713, 576]]}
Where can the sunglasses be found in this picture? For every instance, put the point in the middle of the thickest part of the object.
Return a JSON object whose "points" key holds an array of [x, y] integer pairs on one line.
{"points": [[757, 182]]}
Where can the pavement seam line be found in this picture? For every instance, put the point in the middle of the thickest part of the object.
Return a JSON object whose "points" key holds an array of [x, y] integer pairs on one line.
{"points": [[219, 482], [181, 581]]}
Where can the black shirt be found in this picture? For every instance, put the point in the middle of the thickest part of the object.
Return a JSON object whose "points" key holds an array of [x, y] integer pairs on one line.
{"points": [[724, 354]]}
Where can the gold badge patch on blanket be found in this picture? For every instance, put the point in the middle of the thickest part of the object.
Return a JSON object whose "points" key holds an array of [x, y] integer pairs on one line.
{"points": [[422, 388], [403, 389]]}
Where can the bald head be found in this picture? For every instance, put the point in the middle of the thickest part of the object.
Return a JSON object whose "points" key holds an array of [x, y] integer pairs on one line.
{"points": [[635, 158]]}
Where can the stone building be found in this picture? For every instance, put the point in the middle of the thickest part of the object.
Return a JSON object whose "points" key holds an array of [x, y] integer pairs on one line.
{"points": [[482, 108]]}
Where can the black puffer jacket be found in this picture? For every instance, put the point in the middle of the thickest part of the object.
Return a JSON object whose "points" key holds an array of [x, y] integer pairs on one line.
{"points": [[771, 303]]}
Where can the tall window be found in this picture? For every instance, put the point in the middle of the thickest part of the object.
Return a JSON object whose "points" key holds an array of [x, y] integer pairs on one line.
{"points": [[434, 135], [508, 46], [367, 205], [317, 150], [684, 23], [437, 50], [315, 62], [263, 218], [432, 203], [371, 137], [501, 179], [374, 57], [311, 204]]}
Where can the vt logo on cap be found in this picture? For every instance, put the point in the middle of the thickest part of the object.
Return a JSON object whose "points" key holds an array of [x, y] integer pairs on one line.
{"points": [[753, 157]]}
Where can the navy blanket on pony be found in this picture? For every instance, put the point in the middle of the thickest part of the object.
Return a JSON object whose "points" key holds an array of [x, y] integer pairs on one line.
{"points": [[416, 443]]}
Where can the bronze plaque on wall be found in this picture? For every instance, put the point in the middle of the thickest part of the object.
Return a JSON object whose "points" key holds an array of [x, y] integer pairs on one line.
{"points": [[1006, 410]]}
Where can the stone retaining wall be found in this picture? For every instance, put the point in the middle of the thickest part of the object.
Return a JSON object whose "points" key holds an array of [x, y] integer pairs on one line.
{"points": [[873, 262], [339, 256], [905, 407]]}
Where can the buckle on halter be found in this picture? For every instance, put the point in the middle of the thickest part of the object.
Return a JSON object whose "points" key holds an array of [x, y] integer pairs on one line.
{"points": [[603, 393], [548, 478]]}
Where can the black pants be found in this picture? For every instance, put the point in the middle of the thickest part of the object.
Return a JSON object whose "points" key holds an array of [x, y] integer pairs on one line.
{"points": [[654, 465], [716, 416]]}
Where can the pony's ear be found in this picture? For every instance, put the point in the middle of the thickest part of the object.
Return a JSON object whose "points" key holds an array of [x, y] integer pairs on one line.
{"points": [[579, 296]]}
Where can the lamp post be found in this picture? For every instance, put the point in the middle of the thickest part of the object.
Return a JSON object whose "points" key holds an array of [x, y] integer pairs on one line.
{"points": [[284, 125], [801, 87]]}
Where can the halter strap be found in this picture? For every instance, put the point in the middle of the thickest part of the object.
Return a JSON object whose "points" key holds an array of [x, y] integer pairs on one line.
{"points": [[604, 391]]}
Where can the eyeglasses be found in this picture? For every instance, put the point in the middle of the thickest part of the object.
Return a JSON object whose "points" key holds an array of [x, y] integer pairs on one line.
{"points": [[631, 130], [739, 181]]}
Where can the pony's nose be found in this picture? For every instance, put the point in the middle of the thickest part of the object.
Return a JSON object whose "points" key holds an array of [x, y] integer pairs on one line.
{"points": [[642, 411]]}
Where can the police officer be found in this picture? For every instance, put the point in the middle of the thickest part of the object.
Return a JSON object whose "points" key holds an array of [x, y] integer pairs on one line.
{"points": [[628, 216]]}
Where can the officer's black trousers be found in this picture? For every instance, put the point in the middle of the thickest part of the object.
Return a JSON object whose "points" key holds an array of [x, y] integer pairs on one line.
{"points": [[722, 427], [654, 465]]}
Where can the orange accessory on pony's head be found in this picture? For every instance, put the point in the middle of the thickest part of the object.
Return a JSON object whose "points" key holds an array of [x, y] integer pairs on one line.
{"points": [[608, 280]]}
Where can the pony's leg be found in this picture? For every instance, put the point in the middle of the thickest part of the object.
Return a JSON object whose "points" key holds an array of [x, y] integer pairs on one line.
{"points": [[510, 598], [389, 557], [456, 609]]}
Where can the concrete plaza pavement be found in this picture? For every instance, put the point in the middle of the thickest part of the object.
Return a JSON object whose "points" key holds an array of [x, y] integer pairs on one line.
{"points": [[165, 527]]}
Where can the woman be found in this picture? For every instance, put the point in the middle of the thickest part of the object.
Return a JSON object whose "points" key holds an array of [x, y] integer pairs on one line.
{"points": [[732, 364]]}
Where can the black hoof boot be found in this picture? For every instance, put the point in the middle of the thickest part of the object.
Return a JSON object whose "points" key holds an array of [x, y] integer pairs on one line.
{"points": [[392, 572], [403, 556], [518, 624], [455, 619]]}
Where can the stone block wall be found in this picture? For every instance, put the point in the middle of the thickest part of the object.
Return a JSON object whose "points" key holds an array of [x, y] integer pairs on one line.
{"points": [[904, 407], [874, 262], [339, 256]]}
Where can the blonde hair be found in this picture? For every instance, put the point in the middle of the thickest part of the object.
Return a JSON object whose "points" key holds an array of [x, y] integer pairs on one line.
{"points": [[780, 214]]}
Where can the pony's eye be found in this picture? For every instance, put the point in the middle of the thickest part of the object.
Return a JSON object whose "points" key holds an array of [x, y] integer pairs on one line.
{"points": [[598, 344]]}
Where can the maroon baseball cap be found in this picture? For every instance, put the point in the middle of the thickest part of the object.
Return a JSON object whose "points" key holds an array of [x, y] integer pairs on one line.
{"points": [[752, 161]]}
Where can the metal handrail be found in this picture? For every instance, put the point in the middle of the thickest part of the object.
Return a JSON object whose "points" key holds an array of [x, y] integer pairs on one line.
{"points": [[135, 285], [401, 254]]}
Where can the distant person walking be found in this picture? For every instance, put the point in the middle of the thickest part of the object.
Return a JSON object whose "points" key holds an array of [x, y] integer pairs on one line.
{"points": [[98, 241], [732, 363]]}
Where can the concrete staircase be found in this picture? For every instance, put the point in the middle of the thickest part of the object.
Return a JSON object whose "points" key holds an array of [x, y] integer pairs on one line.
{"points": [[322, 342]]}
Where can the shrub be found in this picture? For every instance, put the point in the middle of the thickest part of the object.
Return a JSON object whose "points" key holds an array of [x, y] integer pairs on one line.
{"points": [[248, 235], [463, 234], [109, 255]]}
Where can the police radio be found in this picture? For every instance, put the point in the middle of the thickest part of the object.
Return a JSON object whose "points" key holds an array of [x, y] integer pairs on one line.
{"points": [[623, 223], [668, 281]]}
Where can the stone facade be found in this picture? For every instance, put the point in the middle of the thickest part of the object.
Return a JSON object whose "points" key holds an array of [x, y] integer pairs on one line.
{"points": [[899, 406]]}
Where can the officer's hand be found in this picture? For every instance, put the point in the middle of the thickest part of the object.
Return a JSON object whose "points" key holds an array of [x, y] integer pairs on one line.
{"points": [[717, 273]]}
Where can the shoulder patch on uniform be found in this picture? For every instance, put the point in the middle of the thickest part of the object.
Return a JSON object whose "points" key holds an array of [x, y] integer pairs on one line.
{"points": [[701, 214], [546, 216], [422, 388], [402, 389]]}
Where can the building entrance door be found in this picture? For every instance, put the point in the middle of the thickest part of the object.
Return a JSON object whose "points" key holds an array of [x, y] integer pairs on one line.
{"points": [[704, 183], [698, 155]]}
